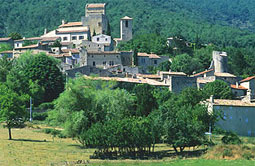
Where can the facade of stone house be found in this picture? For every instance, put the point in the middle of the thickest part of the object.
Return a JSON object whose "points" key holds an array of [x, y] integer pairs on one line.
{"points": [[6, 40], [238, 115], [20, 43], [145, 61]]}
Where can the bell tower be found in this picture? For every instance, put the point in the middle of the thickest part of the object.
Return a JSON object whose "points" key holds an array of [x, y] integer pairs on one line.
{"points": [[126, 28]]}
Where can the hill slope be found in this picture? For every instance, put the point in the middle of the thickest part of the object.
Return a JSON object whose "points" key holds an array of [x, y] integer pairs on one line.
{"points": [[228, 22]]}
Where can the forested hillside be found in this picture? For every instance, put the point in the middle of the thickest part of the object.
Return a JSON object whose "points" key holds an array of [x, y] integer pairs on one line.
{"points": [[228, 22]]}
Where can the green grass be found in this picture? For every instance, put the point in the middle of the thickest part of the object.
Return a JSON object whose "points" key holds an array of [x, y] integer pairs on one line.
{"points": [[189, 162], [32, 147]]}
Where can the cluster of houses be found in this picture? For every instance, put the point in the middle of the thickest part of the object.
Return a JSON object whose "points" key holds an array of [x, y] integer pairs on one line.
{"points": [[84, 47]]}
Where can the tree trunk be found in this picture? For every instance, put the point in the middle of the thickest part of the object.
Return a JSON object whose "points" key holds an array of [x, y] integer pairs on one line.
{"points": [[10, 134]]}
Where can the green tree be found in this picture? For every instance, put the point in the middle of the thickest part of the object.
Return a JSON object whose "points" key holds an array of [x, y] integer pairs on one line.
{"points": [[146, 102], [15, 36], [185, 63], [5, 47], [12, 108], [219, 89], [5, 67]]}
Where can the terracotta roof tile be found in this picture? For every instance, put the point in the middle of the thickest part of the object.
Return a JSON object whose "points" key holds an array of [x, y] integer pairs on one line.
{"points": [[238, 103], [247, 79], [224, 75], [49, 39], [30, 46], [152, 56], [96, 5], [71, 24], [239, 87], [5, 39], [203, 72]]}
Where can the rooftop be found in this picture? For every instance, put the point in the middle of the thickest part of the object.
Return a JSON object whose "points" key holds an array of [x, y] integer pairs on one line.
{"points": [[103, 52], [247, 79], [224, 75], [96, 5], [6, 52], [126, 18], [173, 73], [27, 47], [45, 39], [73, 51], [71, 24], [151, 76], [72, 30], [201, 73], [31, 38], [152, 56], [240, 103], [130, 80], [239, 87], [5, 39]]}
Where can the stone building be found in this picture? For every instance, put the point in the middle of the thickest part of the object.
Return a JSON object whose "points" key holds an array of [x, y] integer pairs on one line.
{"points": [[6, 40], [126, 30], [95, 18], [104, 40], [238, 115], [145, 61]]}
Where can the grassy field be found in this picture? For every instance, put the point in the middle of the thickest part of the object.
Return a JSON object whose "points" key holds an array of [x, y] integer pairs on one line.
{"points": [[31, 147]]}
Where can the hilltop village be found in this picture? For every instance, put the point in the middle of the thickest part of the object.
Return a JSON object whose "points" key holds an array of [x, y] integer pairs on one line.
{"points": [[87, 48]]}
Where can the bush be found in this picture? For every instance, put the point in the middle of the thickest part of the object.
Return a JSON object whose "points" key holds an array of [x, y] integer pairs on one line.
{"points": [[248, 156], [227, 152], [231, 138], [54, 132], [46, 106], [40, 116]]}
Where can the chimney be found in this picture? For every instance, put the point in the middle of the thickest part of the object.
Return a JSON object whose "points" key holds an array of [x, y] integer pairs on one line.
{"points": [[237, 85], [211, 99], [63, 22], [45, 31]]}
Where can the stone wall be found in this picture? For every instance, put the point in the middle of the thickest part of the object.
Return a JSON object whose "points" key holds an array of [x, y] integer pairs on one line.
{"points": [[239, 119], [88, 70], [178, 83]]}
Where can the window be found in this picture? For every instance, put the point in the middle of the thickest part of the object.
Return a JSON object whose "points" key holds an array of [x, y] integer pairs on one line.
{"points": [[64, 38], [105, 39], [104, 63], [81, 37], [94, 63], [99, 24], [98, 39], [126, 24], [143, 60], [17, 44], [74, 37], [155, 62]]}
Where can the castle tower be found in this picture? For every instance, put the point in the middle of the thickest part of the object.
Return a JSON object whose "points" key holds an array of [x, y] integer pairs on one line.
{"points": [[126, 26], [220, 60], [95, 18]]}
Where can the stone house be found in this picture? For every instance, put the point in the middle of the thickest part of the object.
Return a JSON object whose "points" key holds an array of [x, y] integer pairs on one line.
{"points": [[104, 40], [145, 61], [6, 40], [238, 115], [9, 54]]}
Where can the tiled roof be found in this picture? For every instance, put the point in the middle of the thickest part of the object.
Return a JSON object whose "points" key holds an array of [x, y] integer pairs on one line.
{"points": [[247, 79], [173, 73], [96, 5], [103, 52], [224, 75], [130, 80], [153, 76], [71, 24], [239, 87], [73, 51], [203, 72], [6, 52], [31, 38], [45, 39], [72, 30], [5, 39], [152, 56], [66, 43], [239, 103], [127, 18], [25, 47]]}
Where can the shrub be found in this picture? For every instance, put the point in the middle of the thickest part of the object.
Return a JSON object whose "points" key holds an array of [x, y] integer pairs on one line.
{"points": [[248, 156], [40, 116], [227, 152], [231, 138]]}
